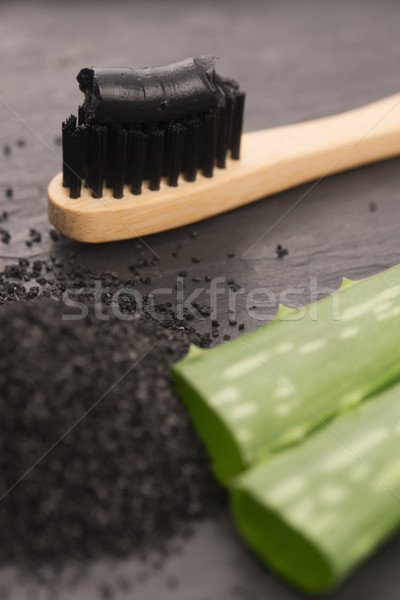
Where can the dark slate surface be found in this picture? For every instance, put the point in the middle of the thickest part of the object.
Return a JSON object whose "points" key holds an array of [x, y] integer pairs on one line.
{"points": [[297, 60]]}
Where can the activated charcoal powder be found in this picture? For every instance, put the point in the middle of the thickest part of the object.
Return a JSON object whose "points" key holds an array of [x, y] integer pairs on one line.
{"points": [[97, 454]]}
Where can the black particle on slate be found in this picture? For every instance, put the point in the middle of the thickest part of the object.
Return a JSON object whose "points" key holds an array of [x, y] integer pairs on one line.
{"points": [[9, 192], [241, 327], [194, 234], [57, 140], [20, 143], [231, 255], [35, 235], [372, 207], [129, 476], [195, 260], [54, 235], [280, 251], [5, 236], [6, 150]]}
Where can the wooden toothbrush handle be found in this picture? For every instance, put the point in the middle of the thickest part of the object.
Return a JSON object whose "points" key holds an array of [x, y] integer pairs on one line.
{"points": [[287, 156]]}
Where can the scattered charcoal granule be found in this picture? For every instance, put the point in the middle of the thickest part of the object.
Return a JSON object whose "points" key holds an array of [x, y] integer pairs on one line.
{"points": [[127, 476], [281, 252], [232, 322], [207, 278], [203, 309], [235, 287], [57, 140], [197, 279], [35, 235], [226, 337], [3, 216], [195, 260], [145, 280], [215, 323], [241, 327], [5, 235], [29, 243], [231, 255], [20, 143], [182, 273], [54, 235], [372, 207], [194, 234], [7, 150], [9, 192]]}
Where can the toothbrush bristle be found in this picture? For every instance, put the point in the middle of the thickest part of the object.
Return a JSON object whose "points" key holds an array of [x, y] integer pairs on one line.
{"points": [[115, 155]]}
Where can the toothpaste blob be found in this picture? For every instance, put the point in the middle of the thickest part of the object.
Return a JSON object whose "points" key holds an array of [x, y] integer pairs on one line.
{"points": [[115, 95]]}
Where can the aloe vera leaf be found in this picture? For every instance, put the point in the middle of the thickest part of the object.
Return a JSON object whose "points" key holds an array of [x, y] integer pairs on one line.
{"points": [[269, 388], [314, 511]]}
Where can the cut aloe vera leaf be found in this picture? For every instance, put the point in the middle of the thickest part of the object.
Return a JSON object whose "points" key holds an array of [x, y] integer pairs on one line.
{"points": [[269, 388], [315, 511]]}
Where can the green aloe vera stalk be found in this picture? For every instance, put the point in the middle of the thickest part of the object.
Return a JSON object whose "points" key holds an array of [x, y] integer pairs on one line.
{"points": [[270, 388], [313, 512]]}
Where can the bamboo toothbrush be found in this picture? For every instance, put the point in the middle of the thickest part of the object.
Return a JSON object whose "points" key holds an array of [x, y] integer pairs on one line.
{"points": [[157, 148]]}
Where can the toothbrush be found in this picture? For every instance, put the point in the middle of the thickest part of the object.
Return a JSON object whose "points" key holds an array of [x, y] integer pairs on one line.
{"points": [[159, 147]]}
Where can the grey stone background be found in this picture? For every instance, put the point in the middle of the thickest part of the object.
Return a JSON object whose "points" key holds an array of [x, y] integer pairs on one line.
{"points": [[296, 59]]}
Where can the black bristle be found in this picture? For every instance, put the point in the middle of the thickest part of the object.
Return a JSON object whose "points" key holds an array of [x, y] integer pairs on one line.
{"points": [[175, 148], [97, 147], [230, 103], [237, 125], [109, 174], [192, 148], [156, 145], [222, 134], [139, 150], [122, 141], [78, 147], [209, 143]]}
